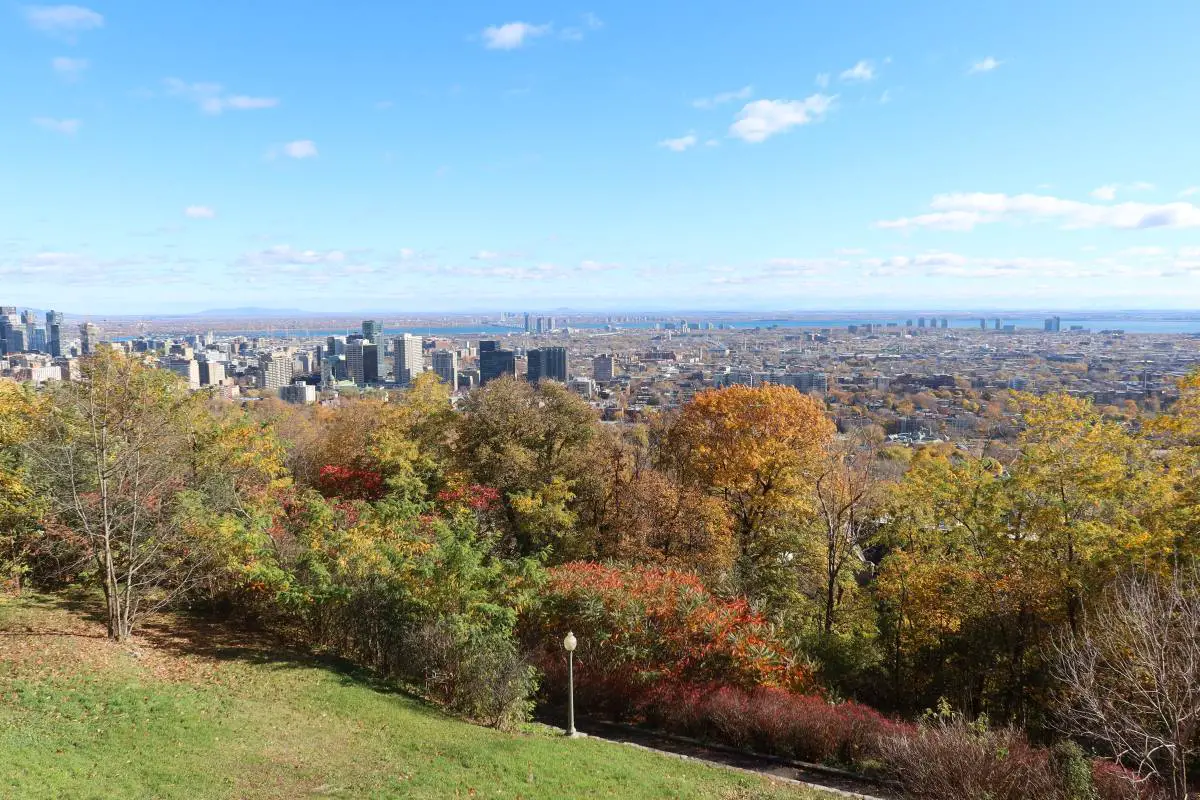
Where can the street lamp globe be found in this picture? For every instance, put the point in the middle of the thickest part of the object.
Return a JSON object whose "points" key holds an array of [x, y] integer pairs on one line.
{"points": [[569, 642]]}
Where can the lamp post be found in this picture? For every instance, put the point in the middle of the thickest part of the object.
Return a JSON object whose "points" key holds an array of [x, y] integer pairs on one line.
{"points": [[569, 643]]}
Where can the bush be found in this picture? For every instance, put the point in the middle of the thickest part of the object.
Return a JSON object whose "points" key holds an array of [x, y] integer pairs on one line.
{"points": [[1074, 771], [952, 760], [772, 721], [642, 627], [1115, 782], [479, 675]]}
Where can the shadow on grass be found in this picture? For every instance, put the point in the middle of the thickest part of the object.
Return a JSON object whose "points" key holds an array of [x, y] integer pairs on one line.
{"points": [[197, 635]]}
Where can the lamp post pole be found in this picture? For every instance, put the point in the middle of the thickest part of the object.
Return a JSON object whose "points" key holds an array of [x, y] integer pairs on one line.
{"points": [[569, 644]]}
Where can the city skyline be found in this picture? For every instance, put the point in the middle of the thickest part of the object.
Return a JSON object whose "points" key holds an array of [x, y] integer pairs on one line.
{"points": [[608, 157]]}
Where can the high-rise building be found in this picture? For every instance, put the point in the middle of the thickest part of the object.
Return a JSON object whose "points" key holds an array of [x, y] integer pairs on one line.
{"points": [[445, 364], [945, 322], [276, 369], [409, 358], [920, 322], [9, 322], [997, 324], [362, 361], [89, 337], [982, 324], [186, 368], [211, 373], [527, 322], [547, 363], [29, 322], [1053, 324], [604, 367], [371, 330], [493, 363], [54, 323]]}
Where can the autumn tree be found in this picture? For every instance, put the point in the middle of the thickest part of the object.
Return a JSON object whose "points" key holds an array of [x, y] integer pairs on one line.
{"points": [[531, 444], [848, 493], [759, 451], [130, 463], [20, 508]]}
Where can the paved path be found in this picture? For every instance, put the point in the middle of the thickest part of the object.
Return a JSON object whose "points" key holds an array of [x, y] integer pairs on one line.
{"points": [[832, 781]]}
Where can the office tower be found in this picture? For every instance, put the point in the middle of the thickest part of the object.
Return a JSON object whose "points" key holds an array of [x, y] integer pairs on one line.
{"points": [[371, 330], [362, 361], [527, 322], [1053, 324], [997, 324], [604, 367], [10, 323], [494, 363], [29, 322], [409, 358], [908, 323], [89, 337], [276, 369], [945, 322], [920, 322], [547, 363], [211, 373], [983, 324], [445, 364], [54, 323], [186, 368]]}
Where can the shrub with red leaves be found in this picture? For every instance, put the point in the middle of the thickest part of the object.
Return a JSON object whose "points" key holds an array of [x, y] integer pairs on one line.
{"points": [[348, 483], [773, 721], [641, 627]]}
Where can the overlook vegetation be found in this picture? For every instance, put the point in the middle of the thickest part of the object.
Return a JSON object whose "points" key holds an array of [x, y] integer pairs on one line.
{"points": [[728, 569]]}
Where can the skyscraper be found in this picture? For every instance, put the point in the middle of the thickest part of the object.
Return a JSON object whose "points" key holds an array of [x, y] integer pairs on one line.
{"points": [[410, 359], [547, 363], [10, 326], [276, 369], [29, 321], [371, 330], [89, 337], [494, 362], [362, 361], [604, 367], [54, 323], [445, 364], [1053, 324]]}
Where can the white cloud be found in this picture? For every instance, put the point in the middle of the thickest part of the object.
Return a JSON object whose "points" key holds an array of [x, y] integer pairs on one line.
{"points": [[1191, 190], [68, 127], [862, 71], [69, 68], [822, 80], [762, 119], [680, 144], [212, 98], [199, 212], [723, 97], [596, 266], [301, 148], [286, 256], [63, 20], [485, 255], [1109, 192], [592, 21], [512, 35], [963, 211], [986, 65]]}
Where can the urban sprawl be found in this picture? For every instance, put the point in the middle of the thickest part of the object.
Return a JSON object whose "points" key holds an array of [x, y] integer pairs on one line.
{"points": [[918, 379]]}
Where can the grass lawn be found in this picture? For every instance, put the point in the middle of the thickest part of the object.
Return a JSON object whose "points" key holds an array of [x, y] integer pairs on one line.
{"points": [[197, 711]]}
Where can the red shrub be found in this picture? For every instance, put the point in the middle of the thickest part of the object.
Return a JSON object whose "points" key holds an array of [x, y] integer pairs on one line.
{"points": [[1115, 782], [773, 721], [639, 627], [344, 482]]}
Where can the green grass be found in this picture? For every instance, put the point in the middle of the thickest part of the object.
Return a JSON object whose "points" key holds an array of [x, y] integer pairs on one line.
{"points": [[189, 713]]}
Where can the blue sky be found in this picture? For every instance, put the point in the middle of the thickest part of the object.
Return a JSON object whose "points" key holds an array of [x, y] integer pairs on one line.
{"points": [[530, 155]]}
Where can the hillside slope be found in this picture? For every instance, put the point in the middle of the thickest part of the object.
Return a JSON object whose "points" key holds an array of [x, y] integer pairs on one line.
{"points": [[196, 711]]}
